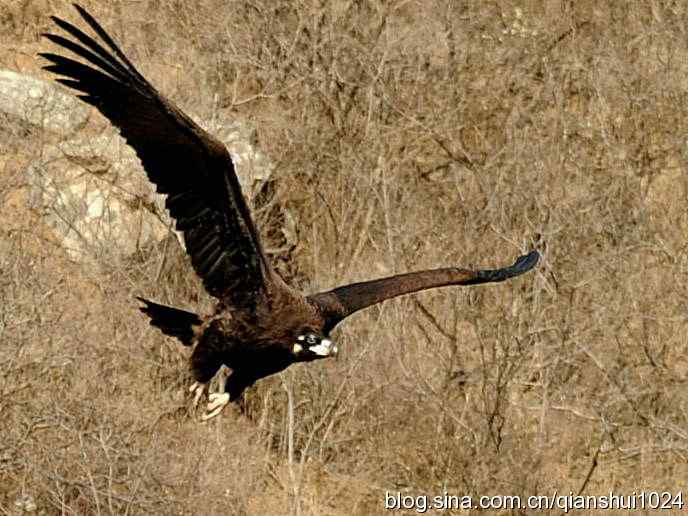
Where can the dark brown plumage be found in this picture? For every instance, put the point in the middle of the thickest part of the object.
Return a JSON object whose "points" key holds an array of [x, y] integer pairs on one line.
{"points": [[261, 325]]}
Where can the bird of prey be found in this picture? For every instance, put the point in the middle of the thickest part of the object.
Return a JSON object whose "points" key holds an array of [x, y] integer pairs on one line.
{"points": [[260, 325]]}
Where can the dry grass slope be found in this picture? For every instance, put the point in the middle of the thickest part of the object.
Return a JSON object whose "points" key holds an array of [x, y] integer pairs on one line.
{"points": [[407, 135]]}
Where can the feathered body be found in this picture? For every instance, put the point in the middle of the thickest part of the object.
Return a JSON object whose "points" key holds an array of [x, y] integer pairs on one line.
{"points": [[252, 344], [260, 325]]}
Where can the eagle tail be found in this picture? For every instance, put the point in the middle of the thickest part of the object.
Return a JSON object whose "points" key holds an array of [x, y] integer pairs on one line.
{"points": [[171, 321]]}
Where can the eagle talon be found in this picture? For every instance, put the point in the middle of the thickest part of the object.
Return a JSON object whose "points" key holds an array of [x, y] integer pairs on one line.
{"points": [[217, 401], [198, 389]]}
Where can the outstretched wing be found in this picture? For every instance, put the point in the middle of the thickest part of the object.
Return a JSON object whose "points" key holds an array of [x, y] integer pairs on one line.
{"points": [[341, 302], [186, 163]]}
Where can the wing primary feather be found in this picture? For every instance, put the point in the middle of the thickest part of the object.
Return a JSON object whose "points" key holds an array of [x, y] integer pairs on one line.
{"points": [[108, 40], [82, 78], [211, 254], [90, 43], [89, 99], [187, 208], [208, 251], [95, 59], [184, 162], [523, 264], [186, 222], [211, 270], [70, 68], [341, 302], [199, 241], [71, 83]]}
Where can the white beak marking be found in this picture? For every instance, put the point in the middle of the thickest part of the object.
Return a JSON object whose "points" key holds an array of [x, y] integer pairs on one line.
{"points": [[298, 348], [324, 349]]}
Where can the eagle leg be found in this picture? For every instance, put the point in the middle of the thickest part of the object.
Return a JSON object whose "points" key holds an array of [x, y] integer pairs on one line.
{"points": [[219, 399]]}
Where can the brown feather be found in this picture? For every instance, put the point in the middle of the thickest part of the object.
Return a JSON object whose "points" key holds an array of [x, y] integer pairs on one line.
{"points": [[341, 302], [186, 163], [260, 325]]}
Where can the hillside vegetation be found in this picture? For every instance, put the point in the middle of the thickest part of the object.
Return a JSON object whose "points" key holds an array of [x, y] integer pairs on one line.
{"points": [[406, 135]]}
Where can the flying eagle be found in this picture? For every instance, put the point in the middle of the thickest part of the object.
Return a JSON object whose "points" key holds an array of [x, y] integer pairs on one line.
{"points": [[260, 325]]}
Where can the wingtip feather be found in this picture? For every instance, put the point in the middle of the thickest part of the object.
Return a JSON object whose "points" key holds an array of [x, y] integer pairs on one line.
{"points": [[527, 261], [80, 9], [145, 305]]}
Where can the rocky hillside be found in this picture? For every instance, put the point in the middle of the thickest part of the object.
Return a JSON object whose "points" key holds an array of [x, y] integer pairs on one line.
{"points": [[374, 138]]}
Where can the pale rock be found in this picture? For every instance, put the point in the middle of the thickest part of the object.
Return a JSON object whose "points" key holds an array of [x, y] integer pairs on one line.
{"points": [[40, 103]]}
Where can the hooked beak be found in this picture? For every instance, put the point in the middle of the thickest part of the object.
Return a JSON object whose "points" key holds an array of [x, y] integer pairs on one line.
{"points": [[326, 348]]}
